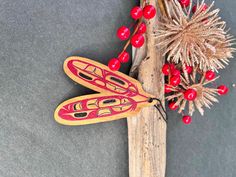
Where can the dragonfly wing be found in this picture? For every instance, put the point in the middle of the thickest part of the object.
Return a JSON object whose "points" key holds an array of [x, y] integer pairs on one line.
{"points": [[96, 108], [100, 78]]}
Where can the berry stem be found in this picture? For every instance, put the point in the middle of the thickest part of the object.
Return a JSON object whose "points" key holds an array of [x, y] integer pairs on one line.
{"points": [[135, 30]]}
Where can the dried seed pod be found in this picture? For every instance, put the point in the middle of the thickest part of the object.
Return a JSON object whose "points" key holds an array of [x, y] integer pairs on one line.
{"points": [[198, 39], [205, 94]]}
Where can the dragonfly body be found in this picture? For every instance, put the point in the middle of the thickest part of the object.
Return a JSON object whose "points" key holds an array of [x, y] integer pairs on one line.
{"points": [[120, 95]]}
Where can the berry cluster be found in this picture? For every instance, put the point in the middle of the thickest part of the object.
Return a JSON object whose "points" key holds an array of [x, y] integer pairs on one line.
{"points": [[186, 84], [190, 87], [136, 38]]}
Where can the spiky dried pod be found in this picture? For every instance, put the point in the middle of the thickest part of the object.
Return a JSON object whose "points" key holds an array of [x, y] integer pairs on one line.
{"points": [[206, 95], [198, 39]]}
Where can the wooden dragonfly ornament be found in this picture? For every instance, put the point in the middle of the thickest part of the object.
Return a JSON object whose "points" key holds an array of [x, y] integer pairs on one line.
{"points": [[120, 95]]}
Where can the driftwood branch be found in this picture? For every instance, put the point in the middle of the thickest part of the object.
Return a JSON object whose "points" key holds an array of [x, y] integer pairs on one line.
{"points": [[147, 131]]}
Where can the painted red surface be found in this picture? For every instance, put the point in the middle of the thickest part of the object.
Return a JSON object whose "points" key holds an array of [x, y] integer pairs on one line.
{"points": [[102, 78], [97, 107]]}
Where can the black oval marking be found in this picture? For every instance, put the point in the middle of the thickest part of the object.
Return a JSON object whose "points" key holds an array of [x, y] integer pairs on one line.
{"points": [[118, 80], [81, 114], [109, 101], [85, 76]]}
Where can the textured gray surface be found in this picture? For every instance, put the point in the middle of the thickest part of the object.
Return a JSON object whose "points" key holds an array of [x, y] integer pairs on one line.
{"points": [[35, 38]]}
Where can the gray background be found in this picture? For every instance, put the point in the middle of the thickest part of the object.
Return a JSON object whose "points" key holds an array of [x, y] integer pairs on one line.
{"points": [[35, 38]]}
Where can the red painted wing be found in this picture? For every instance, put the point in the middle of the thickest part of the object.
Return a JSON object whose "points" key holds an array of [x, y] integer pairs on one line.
{"points": [[96, 108], [100, 78]]}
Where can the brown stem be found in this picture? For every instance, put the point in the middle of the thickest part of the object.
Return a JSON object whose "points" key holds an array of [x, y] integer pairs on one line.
{"points": [[135, 30]]}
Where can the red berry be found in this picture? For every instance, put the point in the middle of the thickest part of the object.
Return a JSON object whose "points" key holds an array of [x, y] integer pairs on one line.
{"points": [[194, 9], [124, 57], [222, 89], [209, 75], [172, 66], [142, 28], [137, 40], [175, 80], [149, 11], [190, 94], [204, 8], [136, 12], [166, 69], [172, 105], [184, 3], [167, 88], [114, 64], [175, 72], [188, 69], [123, 33], [187, 119]]}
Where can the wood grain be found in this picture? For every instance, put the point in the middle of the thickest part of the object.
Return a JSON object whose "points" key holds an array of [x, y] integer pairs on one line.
{"points": [[147, 130]]}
